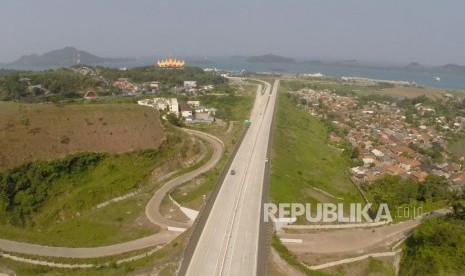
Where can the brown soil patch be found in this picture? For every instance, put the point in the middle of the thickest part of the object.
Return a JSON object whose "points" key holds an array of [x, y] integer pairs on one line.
{"points": [[42, 131], [321, 258]]}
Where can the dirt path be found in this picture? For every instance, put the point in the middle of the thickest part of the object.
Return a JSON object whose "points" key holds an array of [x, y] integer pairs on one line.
{"points": [[230, 128], [353, 240]]}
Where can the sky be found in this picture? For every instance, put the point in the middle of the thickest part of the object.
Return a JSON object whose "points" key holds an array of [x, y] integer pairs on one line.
{"points": [[431, 32]]}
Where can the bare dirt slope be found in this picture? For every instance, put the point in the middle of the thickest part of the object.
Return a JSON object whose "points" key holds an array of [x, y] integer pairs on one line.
{"points": [[45, 131]]}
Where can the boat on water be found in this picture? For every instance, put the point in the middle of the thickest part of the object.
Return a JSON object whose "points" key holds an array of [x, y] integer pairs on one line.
{"points": [[316, 75], [437, 78]]}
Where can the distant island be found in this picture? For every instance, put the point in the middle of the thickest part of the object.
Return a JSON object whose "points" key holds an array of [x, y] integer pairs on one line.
{"points": [[345, 63], [65, 57], [411, 67], [269, 58], [448, 68]]}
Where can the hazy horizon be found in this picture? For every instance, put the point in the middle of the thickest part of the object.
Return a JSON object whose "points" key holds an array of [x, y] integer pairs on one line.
{"points": [[395, 32]]}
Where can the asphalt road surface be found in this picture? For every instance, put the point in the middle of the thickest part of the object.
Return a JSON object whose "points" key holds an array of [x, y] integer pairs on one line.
{"points": [[152, 209], [229, 241]]}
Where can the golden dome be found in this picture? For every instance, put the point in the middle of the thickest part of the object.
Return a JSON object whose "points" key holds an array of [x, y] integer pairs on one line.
{"points": [[171, 63]]}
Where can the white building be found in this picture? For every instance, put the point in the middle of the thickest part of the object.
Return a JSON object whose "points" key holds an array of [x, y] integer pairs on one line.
{"points": [[174, 106], [186, 110], [368, 161], [145, 102], [377, 153], [190, 84], [161, 104], [154, 85]]}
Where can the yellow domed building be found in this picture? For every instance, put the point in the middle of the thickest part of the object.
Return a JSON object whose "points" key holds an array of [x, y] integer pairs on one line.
{"points": [[171, 63]]}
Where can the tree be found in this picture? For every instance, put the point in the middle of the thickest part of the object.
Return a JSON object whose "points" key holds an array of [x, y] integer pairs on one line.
{"points": [[459, 209], [355, 153], [434, 188], [174, 120], [436, 247]]}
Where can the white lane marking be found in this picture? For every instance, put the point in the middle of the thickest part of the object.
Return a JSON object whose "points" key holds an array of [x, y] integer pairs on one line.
{"points": [[291, 240]]}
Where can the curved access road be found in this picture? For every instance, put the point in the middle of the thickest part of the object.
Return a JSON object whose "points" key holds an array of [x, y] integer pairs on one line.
{"points": [[152, 212], [91, 252], [353, 240]]}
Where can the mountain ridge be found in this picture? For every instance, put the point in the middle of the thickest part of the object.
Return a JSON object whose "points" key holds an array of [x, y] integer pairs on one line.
{"points": [[64, 57]]}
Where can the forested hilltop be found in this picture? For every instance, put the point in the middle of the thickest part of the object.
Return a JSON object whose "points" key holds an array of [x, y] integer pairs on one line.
{"points": [[30, 86], [437, 246], [69, 83]]}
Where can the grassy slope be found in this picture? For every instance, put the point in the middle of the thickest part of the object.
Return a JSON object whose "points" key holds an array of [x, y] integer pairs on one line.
{"points": [[191, 193], [302, 159], [234, 108], [163, 262], [120, 222], [367, 267], [40, 131], [67, 212]]}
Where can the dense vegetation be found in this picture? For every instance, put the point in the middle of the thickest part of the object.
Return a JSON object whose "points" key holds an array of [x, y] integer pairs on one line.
{"points": [[66, 84], [4, 72], [437, 246], [167, 78], [397, 192], [24, 189], [449, 108], [63, 82]]}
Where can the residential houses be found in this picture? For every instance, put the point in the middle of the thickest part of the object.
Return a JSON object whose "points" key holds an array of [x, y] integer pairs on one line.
{"points": [[384, 137], [186, 111], [192, 111], [162, 104], [125, 85]]}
